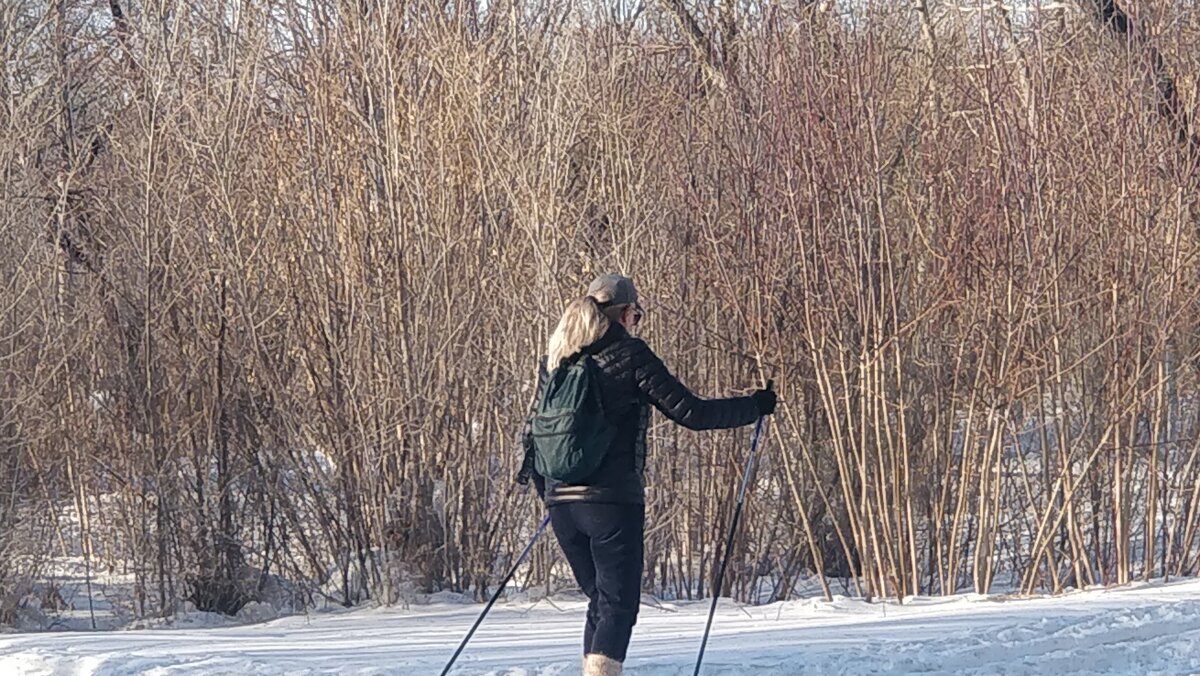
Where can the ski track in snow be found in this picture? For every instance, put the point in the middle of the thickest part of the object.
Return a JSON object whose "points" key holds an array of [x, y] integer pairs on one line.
{"points": [[1141, 629]]}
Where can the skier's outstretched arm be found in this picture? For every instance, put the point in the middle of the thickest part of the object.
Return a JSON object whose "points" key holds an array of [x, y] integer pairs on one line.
{"points": [[680, 405]]}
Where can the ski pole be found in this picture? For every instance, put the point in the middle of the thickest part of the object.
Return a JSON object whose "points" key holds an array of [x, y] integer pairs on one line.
{"points": [[503, 584], [737, 515]]}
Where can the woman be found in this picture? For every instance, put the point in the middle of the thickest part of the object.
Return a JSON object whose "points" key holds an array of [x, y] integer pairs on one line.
{"points": [[599, 522]]}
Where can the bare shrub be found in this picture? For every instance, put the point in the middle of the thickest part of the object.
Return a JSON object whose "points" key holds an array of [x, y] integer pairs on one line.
{"points": [[275, 277]]}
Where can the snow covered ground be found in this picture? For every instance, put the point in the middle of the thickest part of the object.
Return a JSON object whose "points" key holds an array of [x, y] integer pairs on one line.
{"points": [[1142, 629]]}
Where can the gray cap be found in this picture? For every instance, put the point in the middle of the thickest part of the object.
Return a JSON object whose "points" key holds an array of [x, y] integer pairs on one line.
{"points": [[615, 289]]}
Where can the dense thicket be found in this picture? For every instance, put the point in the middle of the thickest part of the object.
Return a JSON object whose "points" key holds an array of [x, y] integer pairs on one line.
{"points": [[275, 275]]}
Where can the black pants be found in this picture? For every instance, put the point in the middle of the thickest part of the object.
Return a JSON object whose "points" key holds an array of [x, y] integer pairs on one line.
{"points": [[603, 544]]}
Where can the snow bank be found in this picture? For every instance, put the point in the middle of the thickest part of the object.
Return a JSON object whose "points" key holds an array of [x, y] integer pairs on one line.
{"points": [[1145, 629]]}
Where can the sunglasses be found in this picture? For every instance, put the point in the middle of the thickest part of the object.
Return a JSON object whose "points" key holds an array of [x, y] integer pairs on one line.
{"points": [[638, 312]]}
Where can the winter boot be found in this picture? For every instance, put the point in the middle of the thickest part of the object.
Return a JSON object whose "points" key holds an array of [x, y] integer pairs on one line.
{"points": [[596, 664]]}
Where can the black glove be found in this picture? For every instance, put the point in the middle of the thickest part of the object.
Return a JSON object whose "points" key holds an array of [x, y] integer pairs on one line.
{"points": [[539, 482], [765, 400], [527, 470]]}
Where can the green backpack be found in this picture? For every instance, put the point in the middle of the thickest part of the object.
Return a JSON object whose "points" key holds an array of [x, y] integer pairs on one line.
{"points": [[571, 434]]}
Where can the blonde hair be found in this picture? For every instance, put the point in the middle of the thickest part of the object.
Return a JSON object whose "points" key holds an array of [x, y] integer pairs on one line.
{"points": [[583, 322]]}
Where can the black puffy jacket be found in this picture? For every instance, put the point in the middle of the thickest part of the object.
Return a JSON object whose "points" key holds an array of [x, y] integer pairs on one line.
{"points": [[635, 378]]}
